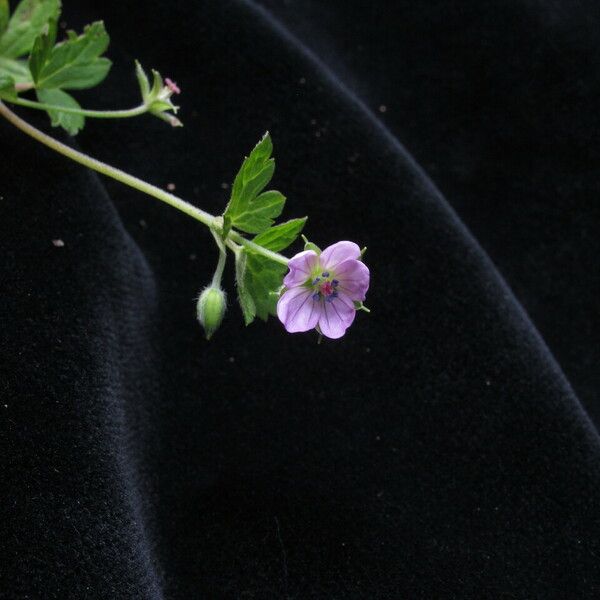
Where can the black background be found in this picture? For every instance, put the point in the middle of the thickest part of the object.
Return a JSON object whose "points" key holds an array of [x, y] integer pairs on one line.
{"points": [[446, 447]]}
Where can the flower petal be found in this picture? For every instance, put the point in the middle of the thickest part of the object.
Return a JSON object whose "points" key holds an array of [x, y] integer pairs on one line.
{"points": [[297, 310], [335, 318], [347, 300], [354, 277], [301, 267], [337, 253]]}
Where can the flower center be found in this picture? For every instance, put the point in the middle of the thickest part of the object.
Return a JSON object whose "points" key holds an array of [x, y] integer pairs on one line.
{"points": [[325, 286]]}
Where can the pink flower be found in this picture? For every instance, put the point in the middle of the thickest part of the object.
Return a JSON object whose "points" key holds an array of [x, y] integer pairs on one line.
{"points": [[172, 86], [321, 290]]}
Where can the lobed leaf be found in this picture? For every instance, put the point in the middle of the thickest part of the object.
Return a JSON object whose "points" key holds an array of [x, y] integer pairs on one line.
{"points": [[71, 122], [265, 280], [244, 297], [280, 236], [76, 63], [26, 23], [261, 280], [257, 165], [260, 213], [248, 209]]}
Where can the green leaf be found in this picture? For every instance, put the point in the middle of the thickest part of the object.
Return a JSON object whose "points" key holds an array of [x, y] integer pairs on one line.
{"points": [[259, 282], [76, 63], [42, 47], [7, 88], [263, 280], [4, 14], [248, 209], [27, 22], [72, 123], [260, 213], [17, 69], [280, 236], [244, 297]]}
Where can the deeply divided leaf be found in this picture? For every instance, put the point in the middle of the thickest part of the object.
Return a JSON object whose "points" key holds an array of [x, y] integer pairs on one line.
{"points": [[27, 22], [72, 123], [265, 278], [280, 236], [76, 63], [260, 213], [261, 281], [244, 297], [250, 210]]}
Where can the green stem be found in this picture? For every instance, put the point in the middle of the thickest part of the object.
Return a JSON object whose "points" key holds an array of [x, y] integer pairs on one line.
{"points": [[96, 114], [214, 223], [274, 256], [235, 248], [107, 170], [216, 280]]}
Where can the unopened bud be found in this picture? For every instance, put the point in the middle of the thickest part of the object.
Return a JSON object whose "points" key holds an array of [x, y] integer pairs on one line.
{"points": [[211, 309]]}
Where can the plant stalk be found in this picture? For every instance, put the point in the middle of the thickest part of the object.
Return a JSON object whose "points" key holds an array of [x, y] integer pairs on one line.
{"points": [[95, 114], [212, 222]]}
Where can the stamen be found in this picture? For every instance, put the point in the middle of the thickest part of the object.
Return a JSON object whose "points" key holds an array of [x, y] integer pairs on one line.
{"points": [[325, 274], [335, 282], [316, 296], [316, 280]]}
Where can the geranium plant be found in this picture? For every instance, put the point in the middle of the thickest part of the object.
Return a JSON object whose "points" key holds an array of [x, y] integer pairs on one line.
{"points": [[322, 290]]}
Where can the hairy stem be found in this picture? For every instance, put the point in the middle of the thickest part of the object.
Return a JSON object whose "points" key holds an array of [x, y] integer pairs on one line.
{"points": [[211, 221], [274, 256], [216, 280], [95, 114]]}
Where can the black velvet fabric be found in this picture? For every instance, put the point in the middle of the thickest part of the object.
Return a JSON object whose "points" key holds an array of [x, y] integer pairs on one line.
{"points": [[446, 447]]}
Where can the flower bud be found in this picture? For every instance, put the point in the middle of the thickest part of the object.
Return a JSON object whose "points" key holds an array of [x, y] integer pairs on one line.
{"points": [[211, 309]]}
